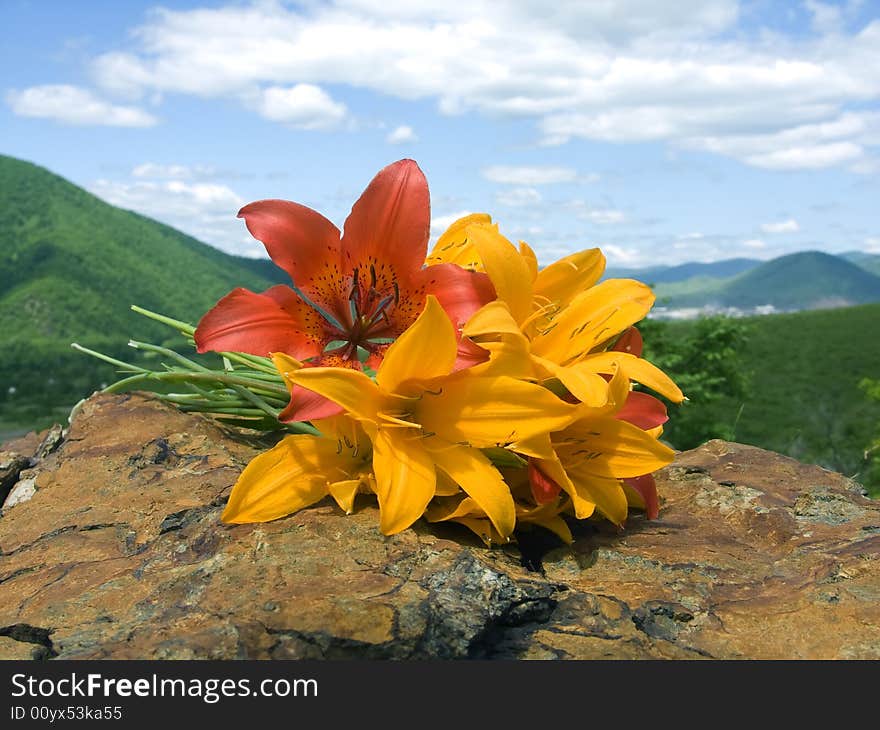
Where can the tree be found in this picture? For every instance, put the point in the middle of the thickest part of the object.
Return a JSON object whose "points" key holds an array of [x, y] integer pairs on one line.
{"points": [[704, 361]]}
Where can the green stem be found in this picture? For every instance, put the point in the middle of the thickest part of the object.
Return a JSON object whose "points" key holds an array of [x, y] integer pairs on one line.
{"points": [[112, 360], [182, 327]]}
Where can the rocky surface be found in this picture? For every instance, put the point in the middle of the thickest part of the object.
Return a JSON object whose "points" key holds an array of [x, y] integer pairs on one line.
{"points": [[119, 553]]}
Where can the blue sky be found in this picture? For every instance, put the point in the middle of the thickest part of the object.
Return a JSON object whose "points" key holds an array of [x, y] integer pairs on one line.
{"points": [[661, 132]]}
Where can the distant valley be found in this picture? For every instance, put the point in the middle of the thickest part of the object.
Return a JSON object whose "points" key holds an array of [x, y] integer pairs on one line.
{"points": [[739, 287]]}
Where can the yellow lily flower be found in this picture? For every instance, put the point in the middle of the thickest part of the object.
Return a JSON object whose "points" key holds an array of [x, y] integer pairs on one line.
{"points": [[559, 315], [301, 470], [591, 458], [423, 419]]}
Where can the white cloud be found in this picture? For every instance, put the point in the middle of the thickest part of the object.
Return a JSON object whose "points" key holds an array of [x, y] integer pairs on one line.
{"points": [[787, 226], [754, 243], [440, 223], [152, 170], [75, 105], [872, 245], [681, 73], [303, 106], [599, 216], [537, 175], [621, 255], [516, 197], [403, 134], [203, 210]]}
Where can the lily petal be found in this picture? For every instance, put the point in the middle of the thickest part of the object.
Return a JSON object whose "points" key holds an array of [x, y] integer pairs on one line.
{"points": [[453, 246], [638, 369], [530, 258], [581, 500], [275, 321], [643, 410], [564, 279], [646, 488], [405, 479], [459, 291], [351, 389], [508, 270], [344, 493], [592, 317], [608, 447], [391, 221], [491, 411], [298, 239], [630, 341], [282, 480], [427, 349], [481, 481], [607, 494]]}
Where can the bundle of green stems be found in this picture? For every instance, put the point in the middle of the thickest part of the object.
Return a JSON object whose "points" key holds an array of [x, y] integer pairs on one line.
{"points": [[244, 390]]}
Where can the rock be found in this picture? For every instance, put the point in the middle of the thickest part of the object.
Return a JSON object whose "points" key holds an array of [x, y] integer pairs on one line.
{"points": [[120, 554]]}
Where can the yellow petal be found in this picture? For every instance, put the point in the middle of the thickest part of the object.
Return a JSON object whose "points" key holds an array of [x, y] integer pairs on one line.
{"points": [[351, 389], [474, 473], [508, 357], [633, 498], [584, 384], [285, 365], [539, 446], [607, 494], [493, 318], [552, 522], [609, 447], [453, 246], [638, 369], [530, 258], [405, 479], [426, 349], [562, 280], [448, 509], [581, 501], [344, 493], [282, 480], [482, 529], [593, 317], [492, 411], [508, 270]]}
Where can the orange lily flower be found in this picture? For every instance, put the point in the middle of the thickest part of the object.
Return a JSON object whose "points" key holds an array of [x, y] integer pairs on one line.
{"points": [[353, 292]]}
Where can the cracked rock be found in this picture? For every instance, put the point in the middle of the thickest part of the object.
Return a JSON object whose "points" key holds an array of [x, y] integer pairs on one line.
{"points": [[120, 553]]}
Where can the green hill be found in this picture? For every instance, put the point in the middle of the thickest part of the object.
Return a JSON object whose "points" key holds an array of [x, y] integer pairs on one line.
{"points": [[70, 266], [870, 262], [804, 398], [683, 272], [804, 280]]}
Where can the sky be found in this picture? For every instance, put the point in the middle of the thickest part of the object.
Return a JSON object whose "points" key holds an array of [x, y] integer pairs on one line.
{"points": [[698, 130]]}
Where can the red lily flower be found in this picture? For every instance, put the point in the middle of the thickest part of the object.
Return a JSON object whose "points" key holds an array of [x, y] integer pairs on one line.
{"points": [[352, 292]]}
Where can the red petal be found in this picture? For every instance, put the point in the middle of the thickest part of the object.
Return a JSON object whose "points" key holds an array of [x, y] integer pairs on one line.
{"points": [[630, 341], [544, 489], [299, 240], [642, 410], [275, 321], [306, 405], [469, 354], [459, 291], [390, 223], [647, 487]]}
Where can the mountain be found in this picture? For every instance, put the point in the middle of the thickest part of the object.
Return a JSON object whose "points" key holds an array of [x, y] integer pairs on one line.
{"points": [[70, 266], [683, 272], [870, 262], [70, 263], [804, 280]]}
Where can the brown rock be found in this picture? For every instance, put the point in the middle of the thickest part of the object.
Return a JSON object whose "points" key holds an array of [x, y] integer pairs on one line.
{"points": [[120, 554]]}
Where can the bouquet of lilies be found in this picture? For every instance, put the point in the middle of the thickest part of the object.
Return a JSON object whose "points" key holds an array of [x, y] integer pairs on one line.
{"points": [[469, 385]]}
